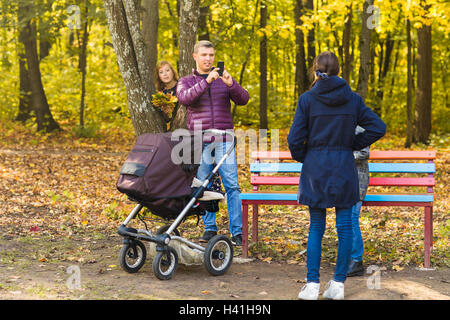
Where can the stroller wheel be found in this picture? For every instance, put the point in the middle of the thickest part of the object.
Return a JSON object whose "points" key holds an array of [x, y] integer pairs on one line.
{"points": [[165, 263], [218, 255], [132, 256]]}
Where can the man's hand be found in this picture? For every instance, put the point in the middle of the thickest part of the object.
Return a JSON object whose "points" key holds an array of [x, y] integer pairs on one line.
{"points": [[227, 79], [213, 75]]}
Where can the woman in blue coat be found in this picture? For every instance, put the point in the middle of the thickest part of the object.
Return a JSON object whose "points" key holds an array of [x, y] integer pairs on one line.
{"points": [[322, 136]]}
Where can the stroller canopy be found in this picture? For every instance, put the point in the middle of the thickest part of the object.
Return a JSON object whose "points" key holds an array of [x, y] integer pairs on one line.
{"points": [[156, 167]]}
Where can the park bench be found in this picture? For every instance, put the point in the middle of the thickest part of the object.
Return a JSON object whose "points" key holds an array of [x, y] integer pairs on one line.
{"points": [[274, 174]]}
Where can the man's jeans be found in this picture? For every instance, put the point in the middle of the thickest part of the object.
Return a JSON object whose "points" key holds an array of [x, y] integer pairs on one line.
{"points": [[357, 247], [314, 246], [212, 153]]}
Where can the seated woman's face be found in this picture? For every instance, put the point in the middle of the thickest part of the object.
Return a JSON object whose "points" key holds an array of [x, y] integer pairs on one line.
{"points": [[165, 74]]}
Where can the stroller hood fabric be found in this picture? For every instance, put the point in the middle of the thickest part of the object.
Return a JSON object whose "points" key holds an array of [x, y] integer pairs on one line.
{"points": [[149, 172]]}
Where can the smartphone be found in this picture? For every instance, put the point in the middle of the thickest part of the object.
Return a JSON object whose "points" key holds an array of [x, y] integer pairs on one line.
{"points": [[221, 66]]}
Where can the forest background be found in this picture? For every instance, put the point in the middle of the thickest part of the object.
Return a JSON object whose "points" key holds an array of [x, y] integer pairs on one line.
{"points": [[63, 87]]}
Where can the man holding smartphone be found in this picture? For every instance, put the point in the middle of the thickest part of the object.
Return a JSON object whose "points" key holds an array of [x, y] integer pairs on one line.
{"points": [[206, 95]]}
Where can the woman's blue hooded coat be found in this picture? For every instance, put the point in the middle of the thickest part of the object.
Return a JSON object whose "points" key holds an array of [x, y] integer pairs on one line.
{"points": [[322, 136]]}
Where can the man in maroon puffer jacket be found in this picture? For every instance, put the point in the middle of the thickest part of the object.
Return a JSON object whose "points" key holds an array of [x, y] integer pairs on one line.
{"points": [[206, 96]]}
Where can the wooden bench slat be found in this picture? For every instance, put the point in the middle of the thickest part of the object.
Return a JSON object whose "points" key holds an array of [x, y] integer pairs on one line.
{"points": [[276, 167], [374, 155], [402, 167], [369, 197], [272, 180], [373, 167], [402, 182], [402, 155], [375, 181], [271, 155]]}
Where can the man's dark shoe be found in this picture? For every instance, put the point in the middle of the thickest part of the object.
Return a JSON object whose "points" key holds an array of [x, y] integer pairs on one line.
{"points": [[207, 236], [237, 240], [355, 269]]}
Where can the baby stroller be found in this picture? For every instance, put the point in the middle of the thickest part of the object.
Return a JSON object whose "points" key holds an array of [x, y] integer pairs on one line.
{"points": [[151, 178]]}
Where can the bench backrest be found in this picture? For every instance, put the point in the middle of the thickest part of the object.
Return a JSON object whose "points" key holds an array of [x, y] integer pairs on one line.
{"points": [[257, 168]]}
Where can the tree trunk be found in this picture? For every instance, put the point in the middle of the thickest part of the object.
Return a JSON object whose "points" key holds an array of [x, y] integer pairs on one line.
{"points": [[189, 16], [25, 100], [174, 32], [82, 61], [247, 55], [301, 74], [364, 47], [123, 21], [150, 22], [44, 118], [384, 63], [409, 113], [45, 41], [311, 37], [263, 69], [203, 32], [424, 81], [347, 67]]}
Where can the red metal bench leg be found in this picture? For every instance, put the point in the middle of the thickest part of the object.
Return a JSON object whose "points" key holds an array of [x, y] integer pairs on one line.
{"points": [[428, 241], [244, 230], [255, 223]]}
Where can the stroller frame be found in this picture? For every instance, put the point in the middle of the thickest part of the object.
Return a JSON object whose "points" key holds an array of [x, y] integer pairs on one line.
{"points": [[166, 254]]}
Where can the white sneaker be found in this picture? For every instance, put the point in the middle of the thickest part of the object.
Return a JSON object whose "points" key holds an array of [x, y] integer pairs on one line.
{"points": [[334, 290], [310, 291]]}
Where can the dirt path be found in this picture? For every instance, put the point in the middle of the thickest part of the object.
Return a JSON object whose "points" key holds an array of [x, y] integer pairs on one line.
{"points": [[39, 270]]}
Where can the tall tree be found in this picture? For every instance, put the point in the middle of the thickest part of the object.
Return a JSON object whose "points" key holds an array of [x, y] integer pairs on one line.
{"points": [[44, 118], [189, 16], [364, 48], [150, 22], [248, 52], [25, 100], [424, 77], [310, 38], [129, 45], [301, 75], [203, 31], [347, 66], [409, 113], [263, 68], [82, 60]]}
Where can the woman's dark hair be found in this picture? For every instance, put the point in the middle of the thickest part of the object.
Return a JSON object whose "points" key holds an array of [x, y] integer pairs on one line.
{"points": [[324, 65]]}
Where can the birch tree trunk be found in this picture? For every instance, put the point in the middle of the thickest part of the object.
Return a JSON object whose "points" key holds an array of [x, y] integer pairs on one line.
{"points": [[129, 45]]}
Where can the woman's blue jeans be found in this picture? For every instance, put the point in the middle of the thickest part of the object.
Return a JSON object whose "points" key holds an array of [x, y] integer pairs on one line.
{"points": [[314, 246], [212, 153], [358, 246]]}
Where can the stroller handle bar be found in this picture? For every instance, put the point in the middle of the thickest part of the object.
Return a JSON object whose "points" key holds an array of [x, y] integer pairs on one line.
{"points": [[200, 190]]}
